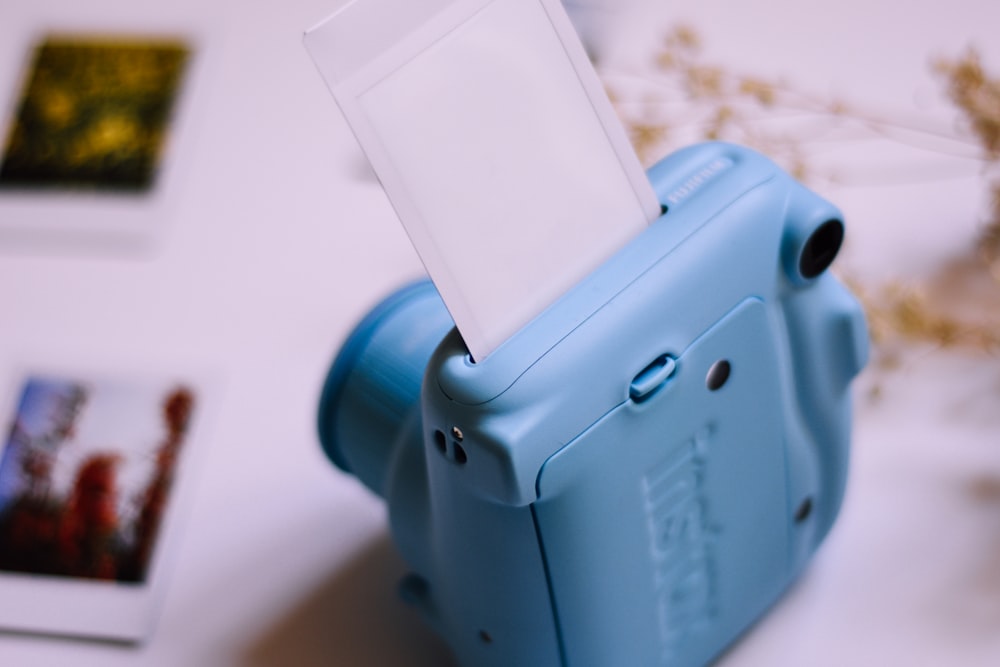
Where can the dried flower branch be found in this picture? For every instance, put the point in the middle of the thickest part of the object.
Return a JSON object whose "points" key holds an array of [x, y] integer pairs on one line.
{"points": [[717, 104], [977, 96], [694, 100], [900, 313]]}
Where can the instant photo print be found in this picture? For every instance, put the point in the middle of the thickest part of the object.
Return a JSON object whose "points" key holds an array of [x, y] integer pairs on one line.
{"points": [[90, 137], [94, 474], [483, 160]]}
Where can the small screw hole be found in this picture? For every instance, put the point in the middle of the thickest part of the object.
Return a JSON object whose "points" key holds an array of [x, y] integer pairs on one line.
{"points": [[460, 456], [804, 510], [440, 442], [718, 375]]}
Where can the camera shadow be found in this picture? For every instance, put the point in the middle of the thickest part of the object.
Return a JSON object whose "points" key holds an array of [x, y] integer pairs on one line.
{"points": [[354, 619]]}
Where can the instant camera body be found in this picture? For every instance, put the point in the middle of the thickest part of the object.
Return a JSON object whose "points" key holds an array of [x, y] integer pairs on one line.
{"points": [[635, 476]]}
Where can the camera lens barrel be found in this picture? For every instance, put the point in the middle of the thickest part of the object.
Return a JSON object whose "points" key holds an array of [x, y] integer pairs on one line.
{"points": [[374, 384]]}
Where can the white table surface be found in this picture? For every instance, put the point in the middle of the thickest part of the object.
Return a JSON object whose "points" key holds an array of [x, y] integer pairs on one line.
{"points": [[280, 240]]}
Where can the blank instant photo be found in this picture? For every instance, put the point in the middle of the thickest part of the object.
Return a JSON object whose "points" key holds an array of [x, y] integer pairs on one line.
{"points": [[93, 471], [496, 145], [89, 136]]}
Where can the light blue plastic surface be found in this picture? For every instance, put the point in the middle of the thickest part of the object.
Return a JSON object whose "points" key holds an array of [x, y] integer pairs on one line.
{"points": [[582, 497]]}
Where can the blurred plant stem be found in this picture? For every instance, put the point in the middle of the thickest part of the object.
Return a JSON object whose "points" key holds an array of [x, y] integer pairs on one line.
{"points": [[977, 96], [685, 99]]}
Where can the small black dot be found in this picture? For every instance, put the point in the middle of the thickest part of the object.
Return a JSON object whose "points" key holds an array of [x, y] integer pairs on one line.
{"points": [[414, 589], [485, 637], [804, 510], [718, 374]]}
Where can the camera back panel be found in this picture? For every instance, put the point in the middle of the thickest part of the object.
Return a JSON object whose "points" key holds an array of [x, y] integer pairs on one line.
{"points": [[674, 509]]}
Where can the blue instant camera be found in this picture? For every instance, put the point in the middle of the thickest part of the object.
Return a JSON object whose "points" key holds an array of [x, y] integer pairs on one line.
{"points": [[639, 473]]}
